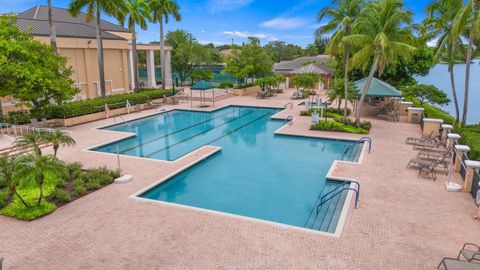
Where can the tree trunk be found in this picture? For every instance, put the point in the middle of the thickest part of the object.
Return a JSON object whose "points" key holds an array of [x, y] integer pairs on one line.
{"points": [[346, 59], [55, 150], [21, 199], [365, 90], [162, 53], [53, 35], [135, 60], [41, 190], [101, 66], [467, 80], [455, 99]]}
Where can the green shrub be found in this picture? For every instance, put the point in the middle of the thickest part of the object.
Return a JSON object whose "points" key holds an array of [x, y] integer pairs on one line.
{"points": [[470, 135], [17, 210], [433, 112], [339, 127], [3, 197], [84, 107], [18, 118], [330, 111], [367, 125], [73, 170], [225, 84], [60, 195], [78, 187], [243, 85]]}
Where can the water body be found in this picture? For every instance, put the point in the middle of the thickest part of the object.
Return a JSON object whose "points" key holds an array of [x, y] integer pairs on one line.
{"points": [[440, 77]]}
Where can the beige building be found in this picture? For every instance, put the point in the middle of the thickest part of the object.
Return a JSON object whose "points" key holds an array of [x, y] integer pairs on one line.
{"points": [[76, 39]]}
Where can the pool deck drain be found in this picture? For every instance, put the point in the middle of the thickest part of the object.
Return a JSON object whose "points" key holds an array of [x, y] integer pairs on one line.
{"points": [[402, 222]]}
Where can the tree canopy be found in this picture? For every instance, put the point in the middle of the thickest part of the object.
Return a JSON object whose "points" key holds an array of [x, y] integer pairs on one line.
{"points": [[31, 72], [426, 93]]}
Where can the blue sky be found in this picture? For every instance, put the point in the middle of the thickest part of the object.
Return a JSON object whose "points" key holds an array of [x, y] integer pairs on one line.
{"points": [[220, 21]]}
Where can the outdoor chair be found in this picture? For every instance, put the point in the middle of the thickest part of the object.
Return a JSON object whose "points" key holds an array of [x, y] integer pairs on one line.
{"points": [[428, 166], [427, 145], [34, 122], [261, 95], [137, 108], [470, 254], [433, 154], [413, 140], [456, 264], [152, 105]]}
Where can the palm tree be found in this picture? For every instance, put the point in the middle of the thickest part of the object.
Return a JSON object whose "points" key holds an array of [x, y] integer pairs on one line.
{"points": [[7, 173], [32, 140], [337, 92], [53, 35], [468, 21], [381, 32], [58, 138], [138, 12], [441, 20], [36, 167], [341, 21], [161, 9], [94, 9]]}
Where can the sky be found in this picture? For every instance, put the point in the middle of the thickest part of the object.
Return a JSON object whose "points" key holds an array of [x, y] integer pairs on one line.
{"points": [[223, 21]]}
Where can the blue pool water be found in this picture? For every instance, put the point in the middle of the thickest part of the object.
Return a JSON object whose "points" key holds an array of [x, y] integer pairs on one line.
{"points": [[256, 174]]}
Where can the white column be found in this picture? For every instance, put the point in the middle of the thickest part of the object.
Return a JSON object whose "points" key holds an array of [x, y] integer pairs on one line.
{"points": [[168, 69], [131, 74], [152, 83]]}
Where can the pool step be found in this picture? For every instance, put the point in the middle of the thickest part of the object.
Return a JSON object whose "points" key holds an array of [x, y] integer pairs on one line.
{"points": [[329, 213]]}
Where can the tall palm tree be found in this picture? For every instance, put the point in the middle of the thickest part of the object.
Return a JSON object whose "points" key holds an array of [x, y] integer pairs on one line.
{"points": [[32, 140], [36, 167], [341, 22], [94, 9], [161, 10], [7, 173], [138, 12], [53, 35], [468, 21], [382, 32], [58, 138], [441, 19]]}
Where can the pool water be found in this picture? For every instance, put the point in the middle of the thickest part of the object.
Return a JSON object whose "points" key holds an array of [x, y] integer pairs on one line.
{"points": [[256, 174]]}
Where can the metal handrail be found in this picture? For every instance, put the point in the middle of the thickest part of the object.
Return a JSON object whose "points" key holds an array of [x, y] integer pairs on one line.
{"points": [[322, 200], [119, 116], [289, 119], [289, 103]]}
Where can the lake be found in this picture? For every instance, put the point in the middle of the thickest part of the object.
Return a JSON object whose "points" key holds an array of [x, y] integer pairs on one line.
{"points": [[440, 77]]}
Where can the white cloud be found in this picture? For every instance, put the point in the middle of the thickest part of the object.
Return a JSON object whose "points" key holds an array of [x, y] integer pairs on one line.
{"points": [[244, 34], [216, 6], [283, 23]]}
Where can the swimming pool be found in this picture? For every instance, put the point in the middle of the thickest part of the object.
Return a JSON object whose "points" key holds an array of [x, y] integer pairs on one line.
{"points": [[256, 174]]}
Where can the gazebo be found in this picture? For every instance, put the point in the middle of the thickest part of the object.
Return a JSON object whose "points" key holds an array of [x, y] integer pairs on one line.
{"points": [[202, 86]]}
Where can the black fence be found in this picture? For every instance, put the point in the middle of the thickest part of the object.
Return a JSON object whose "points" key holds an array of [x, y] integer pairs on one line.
{"points": [[475, 184], [463, 168]]}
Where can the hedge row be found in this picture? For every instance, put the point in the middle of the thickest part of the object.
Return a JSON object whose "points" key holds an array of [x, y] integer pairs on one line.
{"points": [[89, 106]]}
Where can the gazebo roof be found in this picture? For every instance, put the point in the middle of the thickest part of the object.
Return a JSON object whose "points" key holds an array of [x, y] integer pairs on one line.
{"points": [[202, 85], [378, 88]]}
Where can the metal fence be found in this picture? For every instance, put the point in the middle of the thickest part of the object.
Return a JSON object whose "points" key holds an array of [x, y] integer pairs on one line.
{"points": [[463, 168]]}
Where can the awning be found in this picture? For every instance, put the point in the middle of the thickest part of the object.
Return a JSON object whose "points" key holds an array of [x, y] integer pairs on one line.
{"points": [[378, 88]]}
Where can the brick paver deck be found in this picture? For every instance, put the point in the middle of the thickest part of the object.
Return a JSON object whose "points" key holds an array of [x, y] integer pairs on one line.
{"points": [[402, 222]]}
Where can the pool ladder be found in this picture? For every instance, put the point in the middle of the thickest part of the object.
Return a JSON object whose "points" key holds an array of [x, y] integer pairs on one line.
{"points": [[289, 119], [121, 118], [288, 104], [338, 191]]}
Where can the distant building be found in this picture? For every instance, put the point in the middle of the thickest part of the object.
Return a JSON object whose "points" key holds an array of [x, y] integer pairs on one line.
{"points": [[228, 52], [76, 39], [305, 65]]}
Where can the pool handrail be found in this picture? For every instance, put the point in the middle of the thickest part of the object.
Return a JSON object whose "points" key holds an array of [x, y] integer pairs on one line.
{"points": [[288, 103], [325, 198]]}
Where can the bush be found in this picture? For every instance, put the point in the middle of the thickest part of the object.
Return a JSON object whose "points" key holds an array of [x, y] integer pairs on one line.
{"points": [[337, 126], [333, 112], [243, 85], [84, 107], [60, 195], [3, 197], [225, 84], [78, 187], [434, 112], [470, 135], [92, 184], [18, 118], [100, 176]]}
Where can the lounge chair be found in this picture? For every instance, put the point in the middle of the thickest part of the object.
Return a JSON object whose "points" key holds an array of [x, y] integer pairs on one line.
{"points": [[137, 108], [427, 145], [432, 154], [261, 95], [413, 140], [152, 105], [428, 166], [469, 254], [456, 264]]}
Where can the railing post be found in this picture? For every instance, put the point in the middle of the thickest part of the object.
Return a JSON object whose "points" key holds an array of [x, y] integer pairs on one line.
{"points": [[472, 167], [452, 138], [431, 126], [446, 130], [459, 150]]}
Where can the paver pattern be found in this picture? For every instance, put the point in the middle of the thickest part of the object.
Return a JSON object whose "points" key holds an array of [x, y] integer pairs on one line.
{"points": [[402, 221]]}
